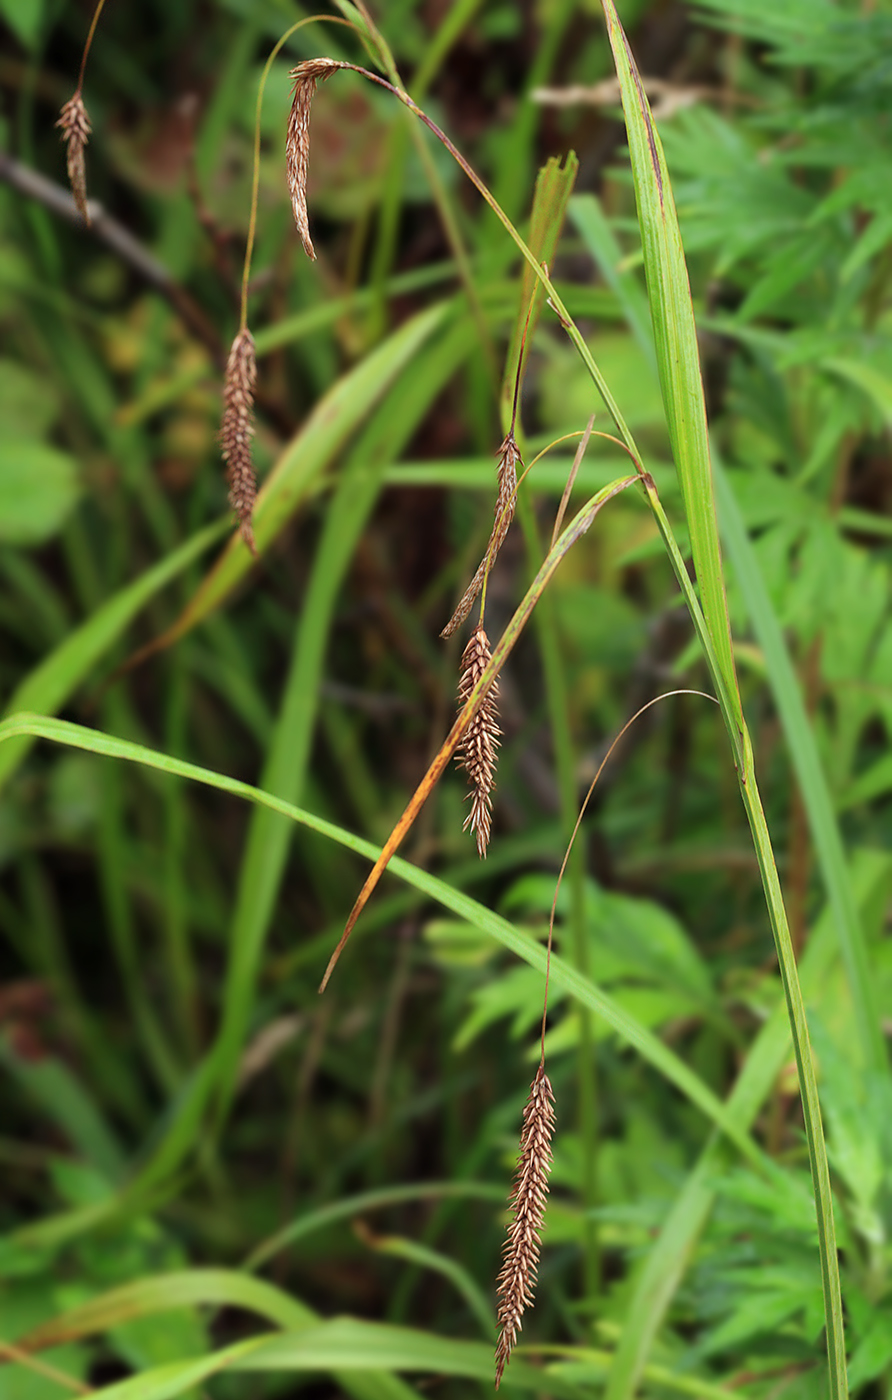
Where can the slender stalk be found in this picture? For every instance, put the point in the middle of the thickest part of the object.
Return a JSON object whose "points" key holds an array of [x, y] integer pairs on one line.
{"points": [[88, 45]]}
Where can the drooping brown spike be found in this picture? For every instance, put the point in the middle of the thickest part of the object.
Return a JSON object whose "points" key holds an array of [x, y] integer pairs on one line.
{"points": [[237, 429], [520, 1261], [297, 146], [509, 457], [477, 752], [75, 125]]}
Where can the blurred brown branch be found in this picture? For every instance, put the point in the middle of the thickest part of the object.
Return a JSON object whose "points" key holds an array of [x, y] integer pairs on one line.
{"points": [[119, 241]]}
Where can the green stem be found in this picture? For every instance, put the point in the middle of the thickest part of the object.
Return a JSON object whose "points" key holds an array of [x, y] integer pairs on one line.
{"points": [[808, 1087]]}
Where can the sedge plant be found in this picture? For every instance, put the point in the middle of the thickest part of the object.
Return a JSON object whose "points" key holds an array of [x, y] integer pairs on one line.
{"points": [[677, 358]]}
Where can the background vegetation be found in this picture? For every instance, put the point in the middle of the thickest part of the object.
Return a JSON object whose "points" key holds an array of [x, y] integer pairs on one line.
{"points": [[190, 1135]]}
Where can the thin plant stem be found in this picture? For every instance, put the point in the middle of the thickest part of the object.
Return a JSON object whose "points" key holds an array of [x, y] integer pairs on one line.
{"points": [[511, 505], [582, 811], [88, 45], [565, 498]]}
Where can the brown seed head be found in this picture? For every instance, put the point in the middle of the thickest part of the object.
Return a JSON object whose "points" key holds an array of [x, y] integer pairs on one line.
{"points": [[520, 1257], [509, 456], [477, 752], [237, 429], [76, 128], [297, 146]]}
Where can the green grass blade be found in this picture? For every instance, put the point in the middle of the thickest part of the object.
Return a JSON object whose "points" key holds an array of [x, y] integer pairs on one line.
{"points": [[675, 335], [554, 186], [349, 1207], [358, 1354], [423, 1257], [219, 1288], [50, 1084], [652, 1049], [165, 1382], [350, 1342], [193, 1288], [810, 774], [808, 1084], [53, 682], [681, 383]]}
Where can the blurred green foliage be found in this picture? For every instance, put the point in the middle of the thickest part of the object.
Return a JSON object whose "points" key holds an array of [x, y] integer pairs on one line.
{"points": [[174, 1093]]}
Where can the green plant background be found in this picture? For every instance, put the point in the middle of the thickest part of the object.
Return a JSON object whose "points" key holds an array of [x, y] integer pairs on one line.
{"points": [[197, 1151]]}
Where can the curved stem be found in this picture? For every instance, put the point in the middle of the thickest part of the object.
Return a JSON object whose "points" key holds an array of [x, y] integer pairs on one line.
{"points": [[88, 45]]}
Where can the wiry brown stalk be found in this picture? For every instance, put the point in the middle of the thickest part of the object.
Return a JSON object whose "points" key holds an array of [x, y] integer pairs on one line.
{"points": [[477, 751], [297, 146], [75, 125], [237, 429], [509, 457], [517, 1280]]}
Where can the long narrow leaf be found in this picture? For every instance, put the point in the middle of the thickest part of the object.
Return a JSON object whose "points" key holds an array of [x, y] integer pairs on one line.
{"points": [[675, 334], [192, 1288], [664, 1060], [55, 680]]}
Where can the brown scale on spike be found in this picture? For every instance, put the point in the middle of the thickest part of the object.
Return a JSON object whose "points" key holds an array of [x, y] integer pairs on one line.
{"points": [[517, 1280], [237, 429], [477, 752], [75, 126]]}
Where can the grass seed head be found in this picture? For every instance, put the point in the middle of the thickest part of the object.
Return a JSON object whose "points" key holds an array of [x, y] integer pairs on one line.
{"points": [[75, 126], [478, 751], [237, 429], [520, 1259], [297, 146]]}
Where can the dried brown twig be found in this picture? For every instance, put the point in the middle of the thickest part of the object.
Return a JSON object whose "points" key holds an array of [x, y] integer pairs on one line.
{"points": [[517, 1280], [477, 750]]}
